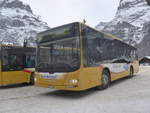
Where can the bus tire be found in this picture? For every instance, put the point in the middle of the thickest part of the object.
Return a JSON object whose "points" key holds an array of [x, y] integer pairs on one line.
{"points": [[131, 72], [32, 79], [105, 80]]}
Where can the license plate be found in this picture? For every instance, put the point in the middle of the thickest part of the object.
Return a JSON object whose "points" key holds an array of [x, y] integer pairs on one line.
{"points": [[48, 76]]}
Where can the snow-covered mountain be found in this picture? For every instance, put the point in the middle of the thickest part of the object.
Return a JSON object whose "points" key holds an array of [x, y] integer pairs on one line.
{"points": [[132, 24], [17, 23]]}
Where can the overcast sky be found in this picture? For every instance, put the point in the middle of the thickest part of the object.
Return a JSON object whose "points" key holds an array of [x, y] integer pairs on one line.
{"points": [[58, 12]]}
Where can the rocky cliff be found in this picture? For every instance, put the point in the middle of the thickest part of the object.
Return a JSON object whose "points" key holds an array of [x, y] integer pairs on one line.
{"points": [[132, 24], [17, 23]]}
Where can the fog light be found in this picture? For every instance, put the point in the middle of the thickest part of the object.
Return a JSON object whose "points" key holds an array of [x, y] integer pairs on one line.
{"points": [[74, 81]]}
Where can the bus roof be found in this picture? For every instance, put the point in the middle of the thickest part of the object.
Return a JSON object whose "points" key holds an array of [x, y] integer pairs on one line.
{"points": [[41, 33], [107, 34]]}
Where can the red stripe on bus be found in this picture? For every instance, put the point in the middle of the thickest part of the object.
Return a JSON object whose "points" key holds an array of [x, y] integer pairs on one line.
{"points": [[28, 71]]}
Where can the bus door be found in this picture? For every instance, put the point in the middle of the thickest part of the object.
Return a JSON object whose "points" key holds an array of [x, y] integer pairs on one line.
{"points": [[12, 69], [91, 57]]}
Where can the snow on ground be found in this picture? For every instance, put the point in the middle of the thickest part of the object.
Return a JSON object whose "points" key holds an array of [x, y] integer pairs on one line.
{"points": [[124, 96]]}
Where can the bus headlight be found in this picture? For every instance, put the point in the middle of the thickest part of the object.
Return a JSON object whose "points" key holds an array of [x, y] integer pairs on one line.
{"points": [[35, 79], [74, 81]]}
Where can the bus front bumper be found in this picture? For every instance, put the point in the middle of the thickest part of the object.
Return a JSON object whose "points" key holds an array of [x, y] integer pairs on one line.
{"points": [[60, 87]]}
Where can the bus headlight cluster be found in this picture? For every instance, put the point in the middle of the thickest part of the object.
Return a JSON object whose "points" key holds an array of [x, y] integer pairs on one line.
{"points": [[35, 79], [74, 81]]}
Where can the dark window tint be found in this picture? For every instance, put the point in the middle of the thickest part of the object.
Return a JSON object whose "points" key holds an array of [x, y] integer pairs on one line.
{"points": [[59, 33], [12, 62], [30, 61], [99, 48]]}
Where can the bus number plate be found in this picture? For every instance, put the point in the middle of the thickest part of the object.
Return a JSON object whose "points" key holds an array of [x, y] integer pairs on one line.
{"points": [[48, 76]]}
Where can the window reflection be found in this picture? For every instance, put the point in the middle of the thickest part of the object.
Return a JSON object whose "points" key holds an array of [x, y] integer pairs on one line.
{"points": [[100, 48]]}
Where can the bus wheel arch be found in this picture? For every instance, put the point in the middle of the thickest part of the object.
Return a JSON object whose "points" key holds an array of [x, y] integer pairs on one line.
{"points": [[107, 69], [105, 79], [131, 72]]}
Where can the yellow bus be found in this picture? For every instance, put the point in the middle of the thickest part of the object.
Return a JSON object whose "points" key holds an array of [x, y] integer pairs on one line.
{"points": [[16, 64], [77, 57]]}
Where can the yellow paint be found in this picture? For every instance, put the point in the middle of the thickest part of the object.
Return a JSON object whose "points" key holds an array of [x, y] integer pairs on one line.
{"points": [[14, 77], [87, 77]]}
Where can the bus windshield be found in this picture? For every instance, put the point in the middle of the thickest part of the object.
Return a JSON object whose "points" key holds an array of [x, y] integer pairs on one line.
{"points": [[60, 52]]}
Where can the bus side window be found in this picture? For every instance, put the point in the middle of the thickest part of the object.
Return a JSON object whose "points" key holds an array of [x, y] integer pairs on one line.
{"points": [[12, 62], [85, 54], [30, 62], [92, 52]]}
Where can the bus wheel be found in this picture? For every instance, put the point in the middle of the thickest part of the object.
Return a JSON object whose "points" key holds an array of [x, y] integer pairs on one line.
{"points": [[105, 80], [32, 79], [131, 72]]}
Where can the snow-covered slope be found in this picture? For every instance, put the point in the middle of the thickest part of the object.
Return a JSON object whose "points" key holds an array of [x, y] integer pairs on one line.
{"points": [[131, 24], [17, 22]]}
